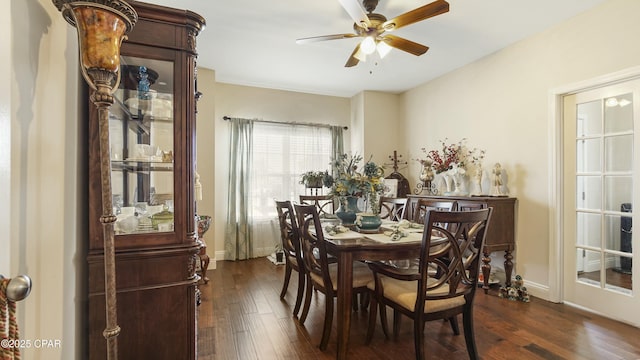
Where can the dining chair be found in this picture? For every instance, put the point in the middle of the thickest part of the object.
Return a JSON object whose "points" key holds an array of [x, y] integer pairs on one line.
{"points": [[471, 205], [325, 204], [289, 236], [418, 210], [422, 205], [392, 208], [424, 298], [321, 274]]}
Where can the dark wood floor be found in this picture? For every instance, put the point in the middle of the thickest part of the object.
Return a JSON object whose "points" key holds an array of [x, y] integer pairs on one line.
{"points": [[242, 317]]}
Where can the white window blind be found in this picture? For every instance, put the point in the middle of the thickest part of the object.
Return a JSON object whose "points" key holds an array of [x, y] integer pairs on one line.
{"points": [[281, 153]]}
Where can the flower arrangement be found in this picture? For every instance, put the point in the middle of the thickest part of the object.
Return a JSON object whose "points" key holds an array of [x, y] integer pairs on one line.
{"points": [[348, 180], [450, 155]]}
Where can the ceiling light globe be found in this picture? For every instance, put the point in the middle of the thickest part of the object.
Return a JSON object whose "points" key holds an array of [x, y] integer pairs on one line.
{"points": [[368, 45], [383, 49]]}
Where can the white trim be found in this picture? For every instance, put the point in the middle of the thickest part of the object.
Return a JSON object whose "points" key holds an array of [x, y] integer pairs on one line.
{"points": [[622, 320], [538, 290], [556, 194]]}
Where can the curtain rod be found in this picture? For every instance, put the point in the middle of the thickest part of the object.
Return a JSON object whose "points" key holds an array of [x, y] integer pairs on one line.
{"points": [[288, 122]]}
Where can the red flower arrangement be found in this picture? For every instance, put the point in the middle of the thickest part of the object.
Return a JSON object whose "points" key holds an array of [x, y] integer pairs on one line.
{"points": [[450, 155]]}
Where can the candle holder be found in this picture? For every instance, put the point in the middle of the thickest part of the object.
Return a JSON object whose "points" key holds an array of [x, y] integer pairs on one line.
{"points": [[101, 27]]}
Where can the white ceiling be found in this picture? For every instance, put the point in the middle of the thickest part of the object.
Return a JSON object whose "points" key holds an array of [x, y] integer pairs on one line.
{"points": [[252, 42]]}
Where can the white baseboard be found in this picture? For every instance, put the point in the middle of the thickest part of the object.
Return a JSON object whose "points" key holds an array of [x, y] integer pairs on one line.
{"points": [[538, 290]]}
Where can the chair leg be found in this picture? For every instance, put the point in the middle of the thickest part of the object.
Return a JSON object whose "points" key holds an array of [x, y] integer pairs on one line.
{"points": [[373, 304], [354, 301], [328, 319], [364, 300], [383, 319], [307, 300], [418, 336], [285, 284], [300, 295], [454, 325], [469, 338], [397, 317]]}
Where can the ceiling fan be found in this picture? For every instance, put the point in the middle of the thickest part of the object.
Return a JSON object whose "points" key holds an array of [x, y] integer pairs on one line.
{"points": [[374, 29]]}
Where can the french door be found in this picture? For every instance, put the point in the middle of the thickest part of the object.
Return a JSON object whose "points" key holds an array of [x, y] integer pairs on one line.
{"points": [[600, 163]]}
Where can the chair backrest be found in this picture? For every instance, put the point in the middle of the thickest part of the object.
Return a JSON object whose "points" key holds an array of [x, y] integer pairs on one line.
{"points": [[289, 233], [423, 205], [392, 208], [471, 205], [454, 253], [325, 204], [314, 252]]}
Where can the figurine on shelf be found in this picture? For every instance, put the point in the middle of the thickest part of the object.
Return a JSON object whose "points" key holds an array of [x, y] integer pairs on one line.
{"points": [[497, 180], [477, 182], [456, 175]]}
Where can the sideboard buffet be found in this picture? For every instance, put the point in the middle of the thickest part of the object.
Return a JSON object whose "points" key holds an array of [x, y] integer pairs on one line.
{"points": [[501, 232]]}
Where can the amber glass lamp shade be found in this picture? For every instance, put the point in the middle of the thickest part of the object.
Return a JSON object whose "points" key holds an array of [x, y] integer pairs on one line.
{"points": [[101, 26], [100, 34]]}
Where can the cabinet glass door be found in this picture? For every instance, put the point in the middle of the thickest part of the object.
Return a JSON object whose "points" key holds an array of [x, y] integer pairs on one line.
{"points": [[141, 128]]}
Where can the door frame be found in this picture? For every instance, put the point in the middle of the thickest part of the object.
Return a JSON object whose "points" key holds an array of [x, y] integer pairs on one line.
{"points": [[5, 141], [556, 162]]}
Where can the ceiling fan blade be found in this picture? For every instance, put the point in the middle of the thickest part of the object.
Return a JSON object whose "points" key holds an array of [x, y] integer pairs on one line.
{"points": [[324, 37], [415, 15], [405, 45], [353, 59], [355, 10]]}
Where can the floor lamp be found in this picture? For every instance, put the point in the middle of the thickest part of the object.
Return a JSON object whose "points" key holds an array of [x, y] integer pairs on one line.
{"points": [[101, 26]]}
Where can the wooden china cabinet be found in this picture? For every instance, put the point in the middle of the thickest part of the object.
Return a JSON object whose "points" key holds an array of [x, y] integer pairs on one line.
{"points": [[152, 135]]}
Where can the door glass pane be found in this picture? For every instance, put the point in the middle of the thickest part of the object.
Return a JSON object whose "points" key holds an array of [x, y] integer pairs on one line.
{"points": [[588, 229], [589, 192], [588, 155], [589, 118], [616, 278], [618, 190], [590, 272], [618, 114], [618, 152], [612, 232], [141, 132]]}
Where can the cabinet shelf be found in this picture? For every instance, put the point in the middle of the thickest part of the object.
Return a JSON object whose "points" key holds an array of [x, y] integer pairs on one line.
{"points": [[139, 122], [138, 165]]}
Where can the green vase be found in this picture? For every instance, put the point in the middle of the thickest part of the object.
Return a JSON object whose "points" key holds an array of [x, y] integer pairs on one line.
{"points": [[369, 222], [348, 210]]}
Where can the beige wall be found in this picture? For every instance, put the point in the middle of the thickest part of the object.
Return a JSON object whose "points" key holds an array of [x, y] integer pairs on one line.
{"points": [[46, 205], [381, 128], [501, 104], [205, 152]]}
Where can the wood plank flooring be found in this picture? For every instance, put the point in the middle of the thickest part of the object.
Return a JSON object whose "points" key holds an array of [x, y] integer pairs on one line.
{"points": [[242, 317]]}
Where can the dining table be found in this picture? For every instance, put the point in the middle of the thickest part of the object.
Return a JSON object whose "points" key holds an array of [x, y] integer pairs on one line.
{"points": [[351, 246]]}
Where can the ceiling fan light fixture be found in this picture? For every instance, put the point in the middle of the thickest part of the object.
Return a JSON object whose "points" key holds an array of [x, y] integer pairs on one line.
{"points": [[368, 45], [360, 55], [383, 49], [389, 26]]}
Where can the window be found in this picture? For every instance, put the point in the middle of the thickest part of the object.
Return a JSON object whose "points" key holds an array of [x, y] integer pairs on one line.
{"points": [[281, 153]]}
